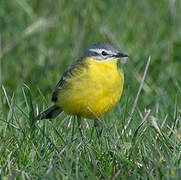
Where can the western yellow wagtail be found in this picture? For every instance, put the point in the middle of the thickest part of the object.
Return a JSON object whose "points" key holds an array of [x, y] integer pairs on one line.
{"points": [[90, 87]]}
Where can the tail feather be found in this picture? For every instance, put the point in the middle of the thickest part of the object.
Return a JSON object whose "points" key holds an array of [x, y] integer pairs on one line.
{"points": [[50, 113]]}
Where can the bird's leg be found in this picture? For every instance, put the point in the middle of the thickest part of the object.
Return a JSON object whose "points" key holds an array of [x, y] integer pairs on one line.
{"points": [[80, 127], [97, 129]]}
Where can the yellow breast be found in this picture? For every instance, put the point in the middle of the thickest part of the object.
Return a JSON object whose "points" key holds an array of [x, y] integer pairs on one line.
{"points": [[94, 91]]}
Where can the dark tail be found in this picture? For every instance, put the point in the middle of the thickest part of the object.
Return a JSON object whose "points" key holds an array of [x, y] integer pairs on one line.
{"points": [[50, 113]]}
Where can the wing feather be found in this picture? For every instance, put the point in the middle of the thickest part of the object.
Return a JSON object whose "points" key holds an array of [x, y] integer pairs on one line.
{"points": [[77, 66]]}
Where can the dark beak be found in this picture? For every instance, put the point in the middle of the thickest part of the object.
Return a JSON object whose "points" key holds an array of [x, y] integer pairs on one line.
{"points": [[119, 55]]}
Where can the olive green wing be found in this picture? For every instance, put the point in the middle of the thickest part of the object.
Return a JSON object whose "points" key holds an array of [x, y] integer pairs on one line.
{"points": [[76, 67]]}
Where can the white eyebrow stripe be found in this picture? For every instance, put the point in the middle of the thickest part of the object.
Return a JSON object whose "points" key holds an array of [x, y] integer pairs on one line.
{"points": [[100, 50], [95, 50]]}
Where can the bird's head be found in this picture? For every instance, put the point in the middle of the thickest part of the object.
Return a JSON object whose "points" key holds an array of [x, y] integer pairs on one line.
{"points": [[102, 51]]}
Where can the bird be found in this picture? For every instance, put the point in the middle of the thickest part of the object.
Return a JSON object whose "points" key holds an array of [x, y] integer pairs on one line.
{"points": [[90, 87]]}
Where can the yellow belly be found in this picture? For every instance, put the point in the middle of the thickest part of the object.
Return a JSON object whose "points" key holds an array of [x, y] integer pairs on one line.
{"points": [[94, 91]]}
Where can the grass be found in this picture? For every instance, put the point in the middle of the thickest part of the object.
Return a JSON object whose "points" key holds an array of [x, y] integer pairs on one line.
{"points": [[38, 41]]}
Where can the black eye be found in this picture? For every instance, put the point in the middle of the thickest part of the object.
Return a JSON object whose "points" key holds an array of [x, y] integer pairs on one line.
{"points": [[104, 53]]}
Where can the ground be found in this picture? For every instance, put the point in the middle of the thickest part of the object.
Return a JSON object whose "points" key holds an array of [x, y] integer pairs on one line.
{"points": [[38, 41]]}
